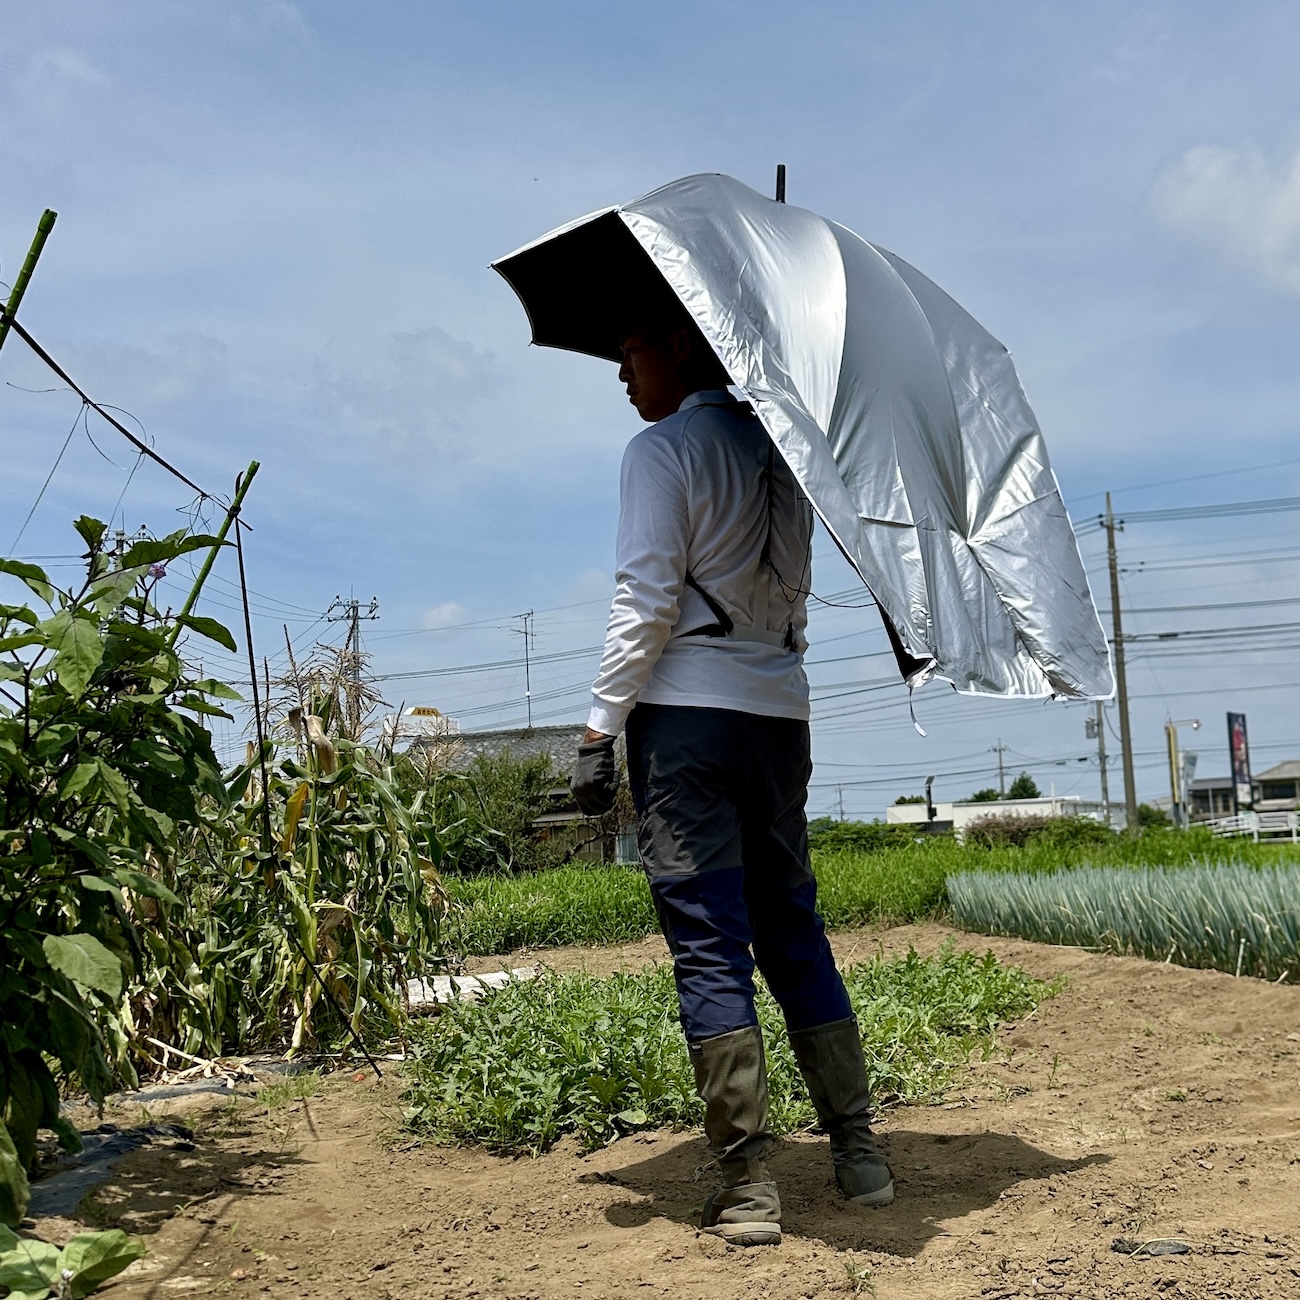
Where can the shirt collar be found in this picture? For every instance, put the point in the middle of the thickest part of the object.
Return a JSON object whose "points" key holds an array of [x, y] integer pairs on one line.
{"points": [[709, 397]]}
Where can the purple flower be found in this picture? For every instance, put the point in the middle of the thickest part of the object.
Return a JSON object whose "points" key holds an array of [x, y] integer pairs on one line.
{"points": [[157, 570]]}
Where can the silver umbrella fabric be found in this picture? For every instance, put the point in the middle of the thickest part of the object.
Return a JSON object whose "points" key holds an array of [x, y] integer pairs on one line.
{"points": [[901, 416]]}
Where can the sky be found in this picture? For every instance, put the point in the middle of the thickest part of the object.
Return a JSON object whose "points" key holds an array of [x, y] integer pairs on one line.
{"points": [[275, 224]]}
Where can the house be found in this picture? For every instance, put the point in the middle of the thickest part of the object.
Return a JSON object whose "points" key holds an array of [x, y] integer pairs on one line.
{"points": [[592, 839], [1278, 789], [1210, 797]]}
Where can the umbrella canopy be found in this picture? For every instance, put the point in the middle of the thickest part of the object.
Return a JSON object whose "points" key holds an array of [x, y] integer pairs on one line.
{"points": [[900, 415]]}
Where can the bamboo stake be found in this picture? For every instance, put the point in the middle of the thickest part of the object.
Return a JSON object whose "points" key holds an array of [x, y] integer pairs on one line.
{"points": [[43, 228], [240, 491]]}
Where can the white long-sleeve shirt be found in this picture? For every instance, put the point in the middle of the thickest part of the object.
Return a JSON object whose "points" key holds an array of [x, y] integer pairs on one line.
{"points": [[694, 499]]}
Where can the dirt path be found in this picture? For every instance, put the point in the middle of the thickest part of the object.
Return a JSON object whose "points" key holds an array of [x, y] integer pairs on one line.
{"points": [[1144, 1101]]}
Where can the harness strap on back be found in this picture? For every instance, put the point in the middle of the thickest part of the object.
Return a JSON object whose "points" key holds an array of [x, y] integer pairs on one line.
{"points": [[725, 625]]}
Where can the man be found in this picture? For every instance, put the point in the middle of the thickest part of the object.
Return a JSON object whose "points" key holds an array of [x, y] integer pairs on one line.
{"points": [[703, 665]]}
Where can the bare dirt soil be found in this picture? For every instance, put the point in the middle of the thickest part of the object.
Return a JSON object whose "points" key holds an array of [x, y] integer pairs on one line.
{"points": [[1144, 1101]]}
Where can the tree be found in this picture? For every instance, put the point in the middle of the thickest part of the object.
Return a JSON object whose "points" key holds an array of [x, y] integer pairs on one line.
{"points": [[1150, 817], [988, 795], [1024, 787], [910, 798]]}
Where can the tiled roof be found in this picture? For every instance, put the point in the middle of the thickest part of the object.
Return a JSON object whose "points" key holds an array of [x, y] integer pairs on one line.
{"points": [[561, 743]]}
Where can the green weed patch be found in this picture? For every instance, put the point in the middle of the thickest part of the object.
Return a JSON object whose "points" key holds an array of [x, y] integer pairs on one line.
{"points": [[602, 1057]]}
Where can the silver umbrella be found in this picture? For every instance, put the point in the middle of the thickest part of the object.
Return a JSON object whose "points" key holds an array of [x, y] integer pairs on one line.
{"points": [[900, 415]]}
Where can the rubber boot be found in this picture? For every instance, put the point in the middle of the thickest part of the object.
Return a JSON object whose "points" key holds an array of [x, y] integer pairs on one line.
{"points": [[731, 1078], [830, 1059]]}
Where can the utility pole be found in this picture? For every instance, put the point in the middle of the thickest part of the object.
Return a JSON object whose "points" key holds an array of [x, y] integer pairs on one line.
{"points": [[839, 794], [528, 634], [999, 749], [350, 611], [1178, 781], [122, 543], [1112, 526], [1095, 729]]}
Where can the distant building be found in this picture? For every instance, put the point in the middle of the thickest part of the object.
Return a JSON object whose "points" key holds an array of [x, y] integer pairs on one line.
{"points": [[592, 839], [559, 743], [960, 815], [1210, 797], [1278, 789]]}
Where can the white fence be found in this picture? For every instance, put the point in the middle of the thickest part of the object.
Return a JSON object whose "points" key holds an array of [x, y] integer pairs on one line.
{"points": [[1258, 825]]}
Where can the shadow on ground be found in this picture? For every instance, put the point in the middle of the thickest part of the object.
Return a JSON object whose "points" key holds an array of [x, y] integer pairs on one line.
{"points": [[938, 1177], [141, 1188]]}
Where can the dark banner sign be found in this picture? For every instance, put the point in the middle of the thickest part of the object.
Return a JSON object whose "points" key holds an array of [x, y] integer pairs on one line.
{"points": [[1239, 752]]}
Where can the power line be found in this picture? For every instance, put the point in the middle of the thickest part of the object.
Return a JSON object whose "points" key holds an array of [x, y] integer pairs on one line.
{"points": [[1209, 633], [483, 667], [1233, 560], [1191, 478], [1218, 510], [144, 448]]}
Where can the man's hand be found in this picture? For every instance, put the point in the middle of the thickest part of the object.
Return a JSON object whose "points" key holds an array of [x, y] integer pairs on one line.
{"points": [[595, 775]]}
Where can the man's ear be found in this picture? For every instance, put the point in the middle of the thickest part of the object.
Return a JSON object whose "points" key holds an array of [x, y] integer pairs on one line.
{"points": [[681, 343]]}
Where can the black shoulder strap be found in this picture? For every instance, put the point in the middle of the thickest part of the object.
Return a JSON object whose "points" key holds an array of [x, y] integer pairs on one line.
{"points": [[765, 559], [724, 625]]}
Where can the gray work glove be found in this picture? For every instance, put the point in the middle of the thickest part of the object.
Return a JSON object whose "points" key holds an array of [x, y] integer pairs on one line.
{"points": [[595, 777]]}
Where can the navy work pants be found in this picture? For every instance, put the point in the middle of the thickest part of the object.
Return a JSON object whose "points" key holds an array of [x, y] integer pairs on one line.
{"points": [[724, 841]]}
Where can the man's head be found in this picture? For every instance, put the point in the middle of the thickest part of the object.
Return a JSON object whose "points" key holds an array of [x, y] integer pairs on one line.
{"points": [[665, 360]]}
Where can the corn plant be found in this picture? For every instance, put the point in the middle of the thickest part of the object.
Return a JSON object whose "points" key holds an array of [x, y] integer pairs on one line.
{"points": [[347, 894], [1224, 916]]}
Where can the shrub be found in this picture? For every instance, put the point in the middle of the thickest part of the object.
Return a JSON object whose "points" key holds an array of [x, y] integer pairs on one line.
{"points": [[496, 802], [828, 836], [511, 793], [1152, 818], [1012, 829]]}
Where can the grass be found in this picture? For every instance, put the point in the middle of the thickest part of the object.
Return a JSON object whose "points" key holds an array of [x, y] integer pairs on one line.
{"points": [[1226, 916], [592, 904], [601, 1057], [291, 1087]]}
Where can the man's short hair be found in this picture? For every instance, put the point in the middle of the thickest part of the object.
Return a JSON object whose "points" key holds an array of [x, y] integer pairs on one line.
{"points": [[656, 322]]}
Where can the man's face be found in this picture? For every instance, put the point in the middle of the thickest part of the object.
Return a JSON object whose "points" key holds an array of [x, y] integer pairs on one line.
{"points": [[652, 373]]}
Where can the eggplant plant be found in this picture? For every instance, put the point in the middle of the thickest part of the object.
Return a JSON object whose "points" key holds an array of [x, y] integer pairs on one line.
{"points": [[102, 755], [148, 897]]}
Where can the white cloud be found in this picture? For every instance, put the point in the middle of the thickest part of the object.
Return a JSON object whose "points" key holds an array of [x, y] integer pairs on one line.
{"points": [[413, 402], [448, 614], [1237, 202], [190, 365], [56, 67], [590, 585]]}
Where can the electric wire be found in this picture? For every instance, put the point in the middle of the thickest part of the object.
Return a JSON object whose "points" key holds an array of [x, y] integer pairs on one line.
{"points": [[58, 460], [22, 333]]}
